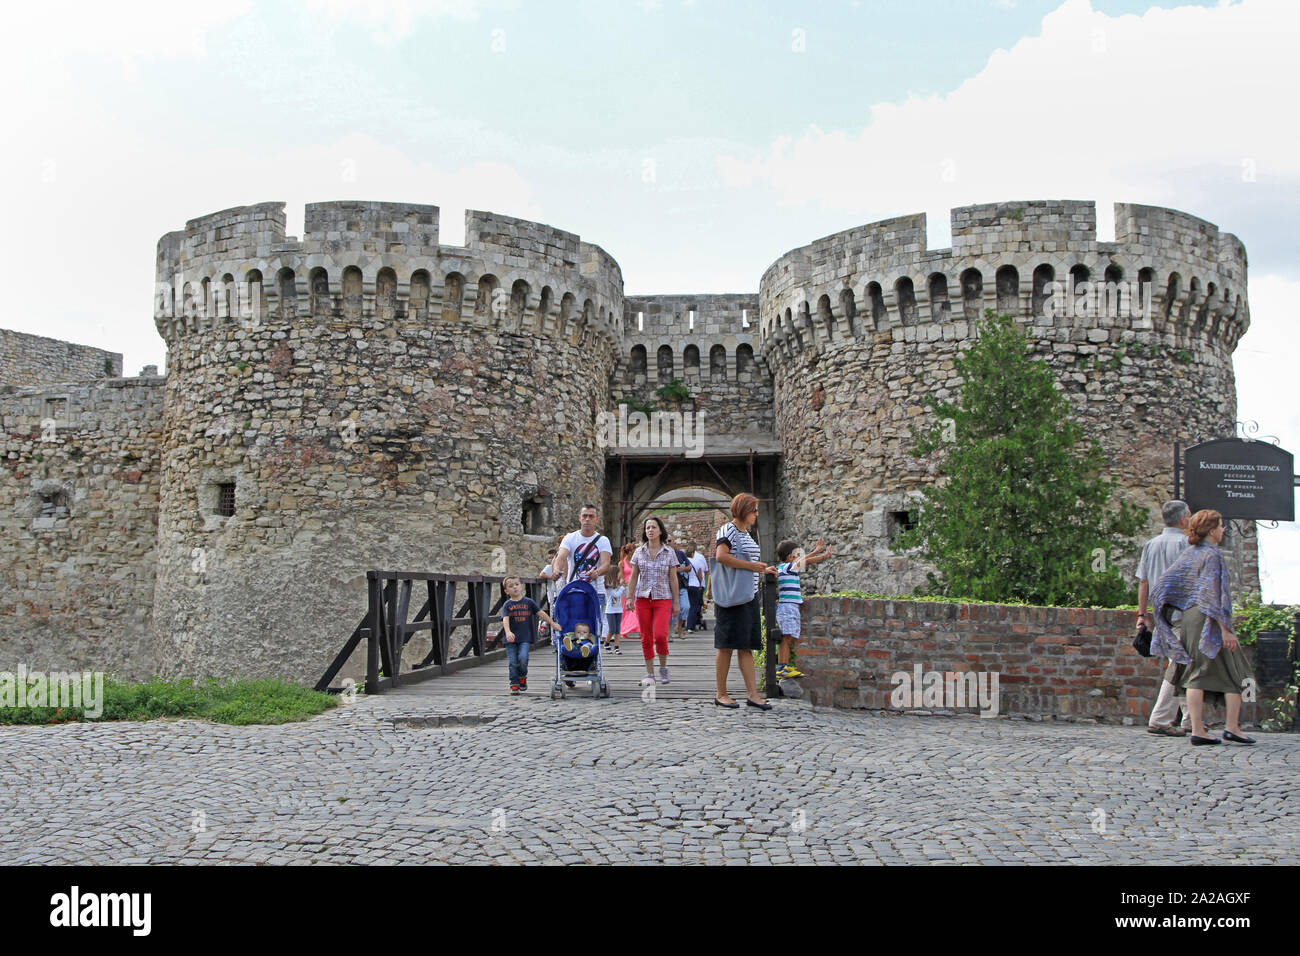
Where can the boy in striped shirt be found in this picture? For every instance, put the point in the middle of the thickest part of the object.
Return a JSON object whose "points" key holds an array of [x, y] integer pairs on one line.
{"points": [[789, 598]]}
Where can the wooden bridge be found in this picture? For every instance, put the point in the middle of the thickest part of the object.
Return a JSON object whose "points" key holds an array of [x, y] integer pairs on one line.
{"points": [[472, 662]]}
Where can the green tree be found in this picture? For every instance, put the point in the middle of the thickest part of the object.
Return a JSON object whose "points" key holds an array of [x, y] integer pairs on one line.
{"points": [[1021, 510]]}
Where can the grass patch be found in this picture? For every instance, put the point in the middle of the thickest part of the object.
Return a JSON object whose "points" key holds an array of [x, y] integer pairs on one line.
{"points": [[239, 702]]}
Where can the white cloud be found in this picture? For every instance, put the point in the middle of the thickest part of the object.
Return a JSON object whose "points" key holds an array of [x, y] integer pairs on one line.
{"points": [[37, 33], [1095, 107], [390, 21]]}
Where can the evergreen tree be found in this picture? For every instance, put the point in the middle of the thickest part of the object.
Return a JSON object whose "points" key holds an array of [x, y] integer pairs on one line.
{"points": [[1021, 511]]}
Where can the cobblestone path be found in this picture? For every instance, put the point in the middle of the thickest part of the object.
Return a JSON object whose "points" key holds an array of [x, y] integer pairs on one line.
{"points": [[400, 779]]}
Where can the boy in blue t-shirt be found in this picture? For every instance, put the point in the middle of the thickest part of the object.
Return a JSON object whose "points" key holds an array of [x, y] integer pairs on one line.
{"points": [[519, 617], [789, 598]]}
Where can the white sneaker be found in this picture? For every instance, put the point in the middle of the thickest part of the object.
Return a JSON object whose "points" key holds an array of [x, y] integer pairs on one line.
{"points": [[647, 680], [663, 676]]}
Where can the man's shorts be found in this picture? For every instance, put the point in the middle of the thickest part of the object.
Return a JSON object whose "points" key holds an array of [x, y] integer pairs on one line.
{"points": [[788, 619]]}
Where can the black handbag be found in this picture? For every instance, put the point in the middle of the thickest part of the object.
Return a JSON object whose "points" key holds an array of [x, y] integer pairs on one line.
{"points": [[1142, 641]]}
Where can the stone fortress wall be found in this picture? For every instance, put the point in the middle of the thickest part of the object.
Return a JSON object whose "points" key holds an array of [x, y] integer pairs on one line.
{"points": [[34, 360], [79, 487], [868, 322], [715, 359], [367, 397]]}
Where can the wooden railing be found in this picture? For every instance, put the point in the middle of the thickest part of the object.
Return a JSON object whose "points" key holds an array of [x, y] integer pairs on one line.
{"points": [[386, 627]]}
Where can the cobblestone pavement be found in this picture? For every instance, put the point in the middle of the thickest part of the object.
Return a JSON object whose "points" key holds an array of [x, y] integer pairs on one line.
{"points": [[527, 780]]}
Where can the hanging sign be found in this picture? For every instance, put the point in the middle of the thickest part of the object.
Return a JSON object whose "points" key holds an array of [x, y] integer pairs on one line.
{"points": [[1251, 480]]}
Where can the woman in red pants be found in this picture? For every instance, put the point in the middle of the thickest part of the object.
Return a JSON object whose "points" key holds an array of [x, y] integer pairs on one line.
{"points": [[652, 585]]}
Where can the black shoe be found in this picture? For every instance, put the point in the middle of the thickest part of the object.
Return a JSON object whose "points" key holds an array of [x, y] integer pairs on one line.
{"points": [[1229, 735], [1204, 741], [732, 706], [761, 706]]}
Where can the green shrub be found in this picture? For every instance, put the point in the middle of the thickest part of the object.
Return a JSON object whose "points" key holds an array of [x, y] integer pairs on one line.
{"points": [[1252, 618], [674, 391]]}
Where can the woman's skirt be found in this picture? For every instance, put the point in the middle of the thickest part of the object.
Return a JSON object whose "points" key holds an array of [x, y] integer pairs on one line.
{"points": [[1224, 674], [738, 628]]}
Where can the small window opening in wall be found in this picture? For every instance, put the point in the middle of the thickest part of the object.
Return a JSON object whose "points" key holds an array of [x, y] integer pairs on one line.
{"points": [[691, 319], [744, 318], [899, 521], [54, 504], [56, 408], [640, 321], [535, 515], [226, 499]]}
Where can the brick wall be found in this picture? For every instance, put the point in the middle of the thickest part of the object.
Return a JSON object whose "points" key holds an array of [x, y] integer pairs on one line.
{"points": [[697, 526], [1060, 662]]}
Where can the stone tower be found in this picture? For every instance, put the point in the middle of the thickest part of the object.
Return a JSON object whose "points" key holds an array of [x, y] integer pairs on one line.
{"points": [[340, 402], [860, 329]]}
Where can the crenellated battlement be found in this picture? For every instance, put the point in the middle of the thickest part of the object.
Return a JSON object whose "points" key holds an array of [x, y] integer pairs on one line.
{"points": [[1168, 274], [382, 261], [340, 227], [690, 337], [707, 343]]}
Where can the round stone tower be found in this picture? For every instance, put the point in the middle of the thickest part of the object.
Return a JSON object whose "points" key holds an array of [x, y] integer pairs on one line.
{"points": [[861, 328], [364, 398]]}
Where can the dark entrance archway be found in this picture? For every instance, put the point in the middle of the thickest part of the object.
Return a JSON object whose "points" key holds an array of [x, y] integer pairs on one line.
{"points": [[636, 480]]}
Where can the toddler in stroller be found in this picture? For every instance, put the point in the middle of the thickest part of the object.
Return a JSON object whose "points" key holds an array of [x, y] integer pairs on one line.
{"points": [[578, 657]]}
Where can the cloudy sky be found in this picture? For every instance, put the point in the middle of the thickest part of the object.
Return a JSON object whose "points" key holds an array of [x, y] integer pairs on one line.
{"points": [[695, 141]]}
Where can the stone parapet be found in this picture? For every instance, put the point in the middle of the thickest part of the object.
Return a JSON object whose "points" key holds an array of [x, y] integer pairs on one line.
{"points": [[383, 260], [36, 360]]}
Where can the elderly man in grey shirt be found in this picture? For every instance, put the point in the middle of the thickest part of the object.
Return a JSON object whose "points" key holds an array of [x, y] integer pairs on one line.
{"points": [[1157, 555]]}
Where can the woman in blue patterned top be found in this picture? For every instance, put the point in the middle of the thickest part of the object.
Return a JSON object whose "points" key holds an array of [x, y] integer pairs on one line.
{"points": [[1207, 658], [738, 628]]}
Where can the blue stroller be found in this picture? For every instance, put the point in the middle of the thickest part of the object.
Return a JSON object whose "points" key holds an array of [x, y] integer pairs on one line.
{"points": [[578, 603]]}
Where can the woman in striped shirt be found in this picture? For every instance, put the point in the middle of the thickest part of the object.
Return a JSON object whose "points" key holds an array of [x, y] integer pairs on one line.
{"points": [[738, 628]]}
